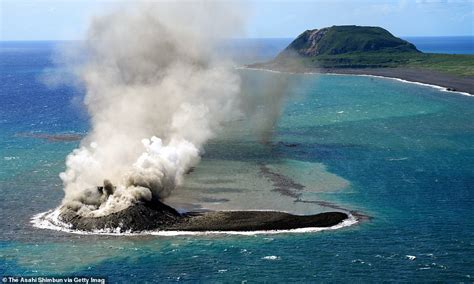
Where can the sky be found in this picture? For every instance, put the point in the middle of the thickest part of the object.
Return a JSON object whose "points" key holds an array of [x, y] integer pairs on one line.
{"points": [[68, 19]]}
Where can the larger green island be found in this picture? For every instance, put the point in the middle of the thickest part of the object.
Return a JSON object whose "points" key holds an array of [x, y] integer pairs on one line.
{"points": [[372, 51]]}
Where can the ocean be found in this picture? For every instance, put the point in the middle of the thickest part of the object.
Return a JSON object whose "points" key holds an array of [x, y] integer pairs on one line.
{"points": [[447, 44], [400, 153]]}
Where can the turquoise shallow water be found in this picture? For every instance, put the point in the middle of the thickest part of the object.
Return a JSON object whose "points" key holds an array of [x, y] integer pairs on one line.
{"points": [[400, 153]]}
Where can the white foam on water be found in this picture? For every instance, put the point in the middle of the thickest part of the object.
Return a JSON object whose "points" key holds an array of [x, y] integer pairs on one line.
{"points": [[50, 220], [440, 88], [9, 158], [271, 257], [398, 159]]}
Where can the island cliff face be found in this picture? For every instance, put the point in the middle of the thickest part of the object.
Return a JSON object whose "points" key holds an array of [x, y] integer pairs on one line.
{"points": [[345, 47], [346, 39], [372, 51]]}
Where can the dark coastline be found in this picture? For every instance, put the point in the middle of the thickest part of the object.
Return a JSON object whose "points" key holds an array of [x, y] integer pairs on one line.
{"points": [[425, 76], [158, 216], [450, 82]]}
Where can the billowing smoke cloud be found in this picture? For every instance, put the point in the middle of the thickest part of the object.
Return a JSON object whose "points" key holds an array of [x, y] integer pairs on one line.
{"points": [[156, 92]]}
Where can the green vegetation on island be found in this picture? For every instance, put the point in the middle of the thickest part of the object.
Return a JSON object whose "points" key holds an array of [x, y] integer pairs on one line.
{"points": [[356, 47]]}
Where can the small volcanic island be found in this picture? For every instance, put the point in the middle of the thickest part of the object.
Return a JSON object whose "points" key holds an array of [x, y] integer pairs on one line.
{"points": [[155, 215]]}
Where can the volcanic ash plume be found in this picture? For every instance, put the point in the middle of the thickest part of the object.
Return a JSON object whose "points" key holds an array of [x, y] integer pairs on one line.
{"points": [[150, 72]]}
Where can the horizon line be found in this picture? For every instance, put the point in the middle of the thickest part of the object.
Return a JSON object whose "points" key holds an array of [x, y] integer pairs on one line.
{"points": [[230, 38]]}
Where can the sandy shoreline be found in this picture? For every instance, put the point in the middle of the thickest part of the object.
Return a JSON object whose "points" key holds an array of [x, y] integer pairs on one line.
{"points": [[448, 82]]}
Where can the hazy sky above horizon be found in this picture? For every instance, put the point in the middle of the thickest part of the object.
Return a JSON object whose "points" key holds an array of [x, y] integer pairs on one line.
{"points": [[68, 19]]}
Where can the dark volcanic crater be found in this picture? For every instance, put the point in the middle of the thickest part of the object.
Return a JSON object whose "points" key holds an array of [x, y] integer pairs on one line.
{"points": [[146, 216]]}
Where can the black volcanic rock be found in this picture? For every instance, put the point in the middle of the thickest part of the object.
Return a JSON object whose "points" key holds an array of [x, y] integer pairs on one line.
{"points": [[139, 217], [256, 221], [158, 216]]}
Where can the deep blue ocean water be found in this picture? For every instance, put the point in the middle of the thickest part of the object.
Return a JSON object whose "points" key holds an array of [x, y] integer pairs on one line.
{"points": [[400, 153], [447, 44]]}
